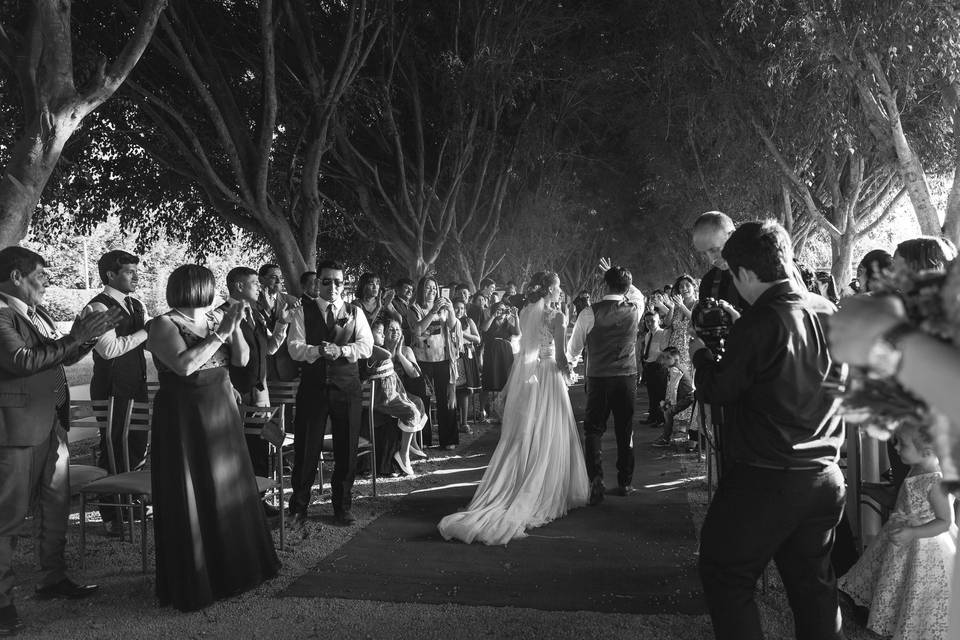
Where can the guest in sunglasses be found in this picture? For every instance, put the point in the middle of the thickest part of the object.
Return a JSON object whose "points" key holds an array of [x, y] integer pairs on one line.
{"points": [[328, 338]]}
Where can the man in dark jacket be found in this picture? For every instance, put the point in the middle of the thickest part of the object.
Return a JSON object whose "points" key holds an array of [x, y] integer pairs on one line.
{"points": [[783, 494], [34, 408]]}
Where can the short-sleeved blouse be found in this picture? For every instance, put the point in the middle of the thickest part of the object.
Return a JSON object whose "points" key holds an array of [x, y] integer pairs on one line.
{"points": [[430, 346]]}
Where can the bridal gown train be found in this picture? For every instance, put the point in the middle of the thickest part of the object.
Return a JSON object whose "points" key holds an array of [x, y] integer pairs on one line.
{"points": [[537, 472]]}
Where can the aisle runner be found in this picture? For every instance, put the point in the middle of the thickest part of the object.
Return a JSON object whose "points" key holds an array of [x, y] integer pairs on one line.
{"points": [[628, 555]]}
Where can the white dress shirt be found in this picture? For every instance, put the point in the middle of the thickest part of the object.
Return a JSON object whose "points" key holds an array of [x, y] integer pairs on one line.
{"points": [[110, 345], [584, 325], [302, 351]]}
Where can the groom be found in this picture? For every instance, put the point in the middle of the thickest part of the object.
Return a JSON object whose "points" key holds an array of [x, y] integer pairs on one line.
{"points": [[608, 329]]}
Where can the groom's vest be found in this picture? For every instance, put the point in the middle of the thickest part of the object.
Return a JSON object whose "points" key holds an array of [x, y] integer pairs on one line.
{"points": [[612, 343], [340, 373]]}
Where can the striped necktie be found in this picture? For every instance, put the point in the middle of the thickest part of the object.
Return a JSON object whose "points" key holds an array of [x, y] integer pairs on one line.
{"points": [[60, 390]]}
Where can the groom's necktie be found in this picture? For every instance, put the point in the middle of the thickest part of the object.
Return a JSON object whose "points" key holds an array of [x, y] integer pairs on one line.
{"points": [[646, 346]]}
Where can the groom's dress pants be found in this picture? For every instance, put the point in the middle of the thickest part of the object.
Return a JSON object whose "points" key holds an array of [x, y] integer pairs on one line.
{"points": [[614, 395]]}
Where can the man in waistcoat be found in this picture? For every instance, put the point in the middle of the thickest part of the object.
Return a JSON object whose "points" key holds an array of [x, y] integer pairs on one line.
{"points": [[34, 406], [119, 365], [608, 329], [250, 380], [328, 337], [272, 304]]}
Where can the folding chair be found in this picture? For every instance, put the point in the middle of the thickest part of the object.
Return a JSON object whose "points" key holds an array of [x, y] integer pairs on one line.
{"points": [[131, 488], [254, 419], [369, 386], [88, 413]]}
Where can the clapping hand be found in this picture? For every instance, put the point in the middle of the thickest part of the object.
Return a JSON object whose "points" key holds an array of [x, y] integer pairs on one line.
{"points": [[93, 325], [388, 296], [230, 321], [290, 311], [330, 351]]}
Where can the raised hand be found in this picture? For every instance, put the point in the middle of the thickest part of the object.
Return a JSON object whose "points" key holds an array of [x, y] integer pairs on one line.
{"points": [[604, 265], [388, 296], [93, 325], [291, 310], [230, 321]]}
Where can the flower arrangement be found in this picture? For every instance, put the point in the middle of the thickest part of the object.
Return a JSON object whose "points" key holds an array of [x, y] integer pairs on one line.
{"points": [[880, 405]]}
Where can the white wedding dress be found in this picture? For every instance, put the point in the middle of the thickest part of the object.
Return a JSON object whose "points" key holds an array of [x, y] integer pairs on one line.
{"points": [[537, 472]]}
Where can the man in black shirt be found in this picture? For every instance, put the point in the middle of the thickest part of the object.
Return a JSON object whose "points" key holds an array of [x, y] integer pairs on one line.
{"points": [[783, 495]]}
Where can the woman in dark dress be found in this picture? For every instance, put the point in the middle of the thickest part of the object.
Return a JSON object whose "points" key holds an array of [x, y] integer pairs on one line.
{"points": [[211, 534]]}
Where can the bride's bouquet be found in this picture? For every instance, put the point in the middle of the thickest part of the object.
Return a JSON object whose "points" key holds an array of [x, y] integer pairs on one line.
{"points": [[881, 405]]}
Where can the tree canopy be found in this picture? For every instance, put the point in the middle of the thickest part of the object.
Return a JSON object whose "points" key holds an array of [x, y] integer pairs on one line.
{"points": [[480, 137]]}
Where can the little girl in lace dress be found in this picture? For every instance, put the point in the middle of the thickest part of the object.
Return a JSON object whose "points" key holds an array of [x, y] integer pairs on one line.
{"points": [[904, 576]]}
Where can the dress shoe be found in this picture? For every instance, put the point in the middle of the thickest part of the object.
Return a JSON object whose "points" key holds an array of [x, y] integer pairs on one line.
{"points": [[450, 447], [406, 468], [624, 491], [596, 491], [113, 529], [66, 588], [10, 622], [345, 518], [269, 510]]}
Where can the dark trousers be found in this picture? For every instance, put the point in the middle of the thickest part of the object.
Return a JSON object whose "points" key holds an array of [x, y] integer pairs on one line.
{"points": [[316, 403], [136, 449], [655, 379], [444, 391], [35, 476], [614, 395], [761, 514]]}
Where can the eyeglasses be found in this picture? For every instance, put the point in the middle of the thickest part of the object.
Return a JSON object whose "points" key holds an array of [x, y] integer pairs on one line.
{"points": [[331, 281]]}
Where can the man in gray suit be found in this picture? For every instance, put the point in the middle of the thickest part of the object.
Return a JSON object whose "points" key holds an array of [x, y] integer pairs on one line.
{"points": [[34, 406]]}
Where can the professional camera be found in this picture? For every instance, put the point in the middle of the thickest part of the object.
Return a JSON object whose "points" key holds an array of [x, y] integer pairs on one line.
{"points": [[712, 324]]}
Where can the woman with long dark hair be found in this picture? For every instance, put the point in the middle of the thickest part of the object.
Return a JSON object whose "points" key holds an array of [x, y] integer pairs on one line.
{"points": [[436, 344]]}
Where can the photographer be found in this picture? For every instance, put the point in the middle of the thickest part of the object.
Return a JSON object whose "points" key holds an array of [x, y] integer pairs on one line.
{"points": [[498, 332], [783, 494]]}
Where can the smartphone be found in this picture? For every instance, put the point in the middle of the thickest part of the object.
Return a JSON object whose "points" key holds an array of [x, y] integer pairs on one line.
{"points": [[445, 292]]}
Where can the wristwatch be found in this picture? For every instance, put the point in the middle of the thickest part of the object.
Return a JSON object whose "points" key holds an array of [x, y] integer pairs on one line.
{"points": [[885, 356]]}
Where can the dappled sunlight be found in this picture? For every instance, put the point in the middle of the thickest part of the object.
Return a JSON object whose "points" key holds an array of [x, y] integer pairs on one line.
{"points": [[444, 487], [674, 484], [443, 472]]}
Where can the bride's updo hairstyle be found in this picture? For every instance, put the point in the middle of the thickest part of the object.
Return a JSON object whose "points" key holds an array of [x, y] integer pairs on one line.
{"points": [[540, 285]]}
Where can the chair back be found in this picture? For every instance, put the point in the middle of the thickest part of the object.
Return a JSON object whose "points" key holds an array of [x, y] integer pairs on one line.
{"points": [[152, 388], [137, 417], [283, 392], [255, 417], [93, 414]]}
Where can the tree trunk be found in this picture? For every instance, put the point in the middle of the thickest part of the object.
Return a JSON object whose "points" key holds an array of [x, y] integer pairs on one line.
{"points": [[951, 219], [915, 180], [27, 173], [842, 252]]}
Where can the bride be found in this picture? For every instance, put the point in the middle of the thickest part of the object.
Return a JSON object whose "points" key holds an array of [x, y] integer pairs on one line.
{"points": [[537, 472]]}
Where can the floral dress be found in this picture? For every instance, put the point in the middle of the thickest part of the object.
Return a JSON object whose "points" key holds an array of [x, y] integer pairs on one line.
{"points": [[906, 587]]}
